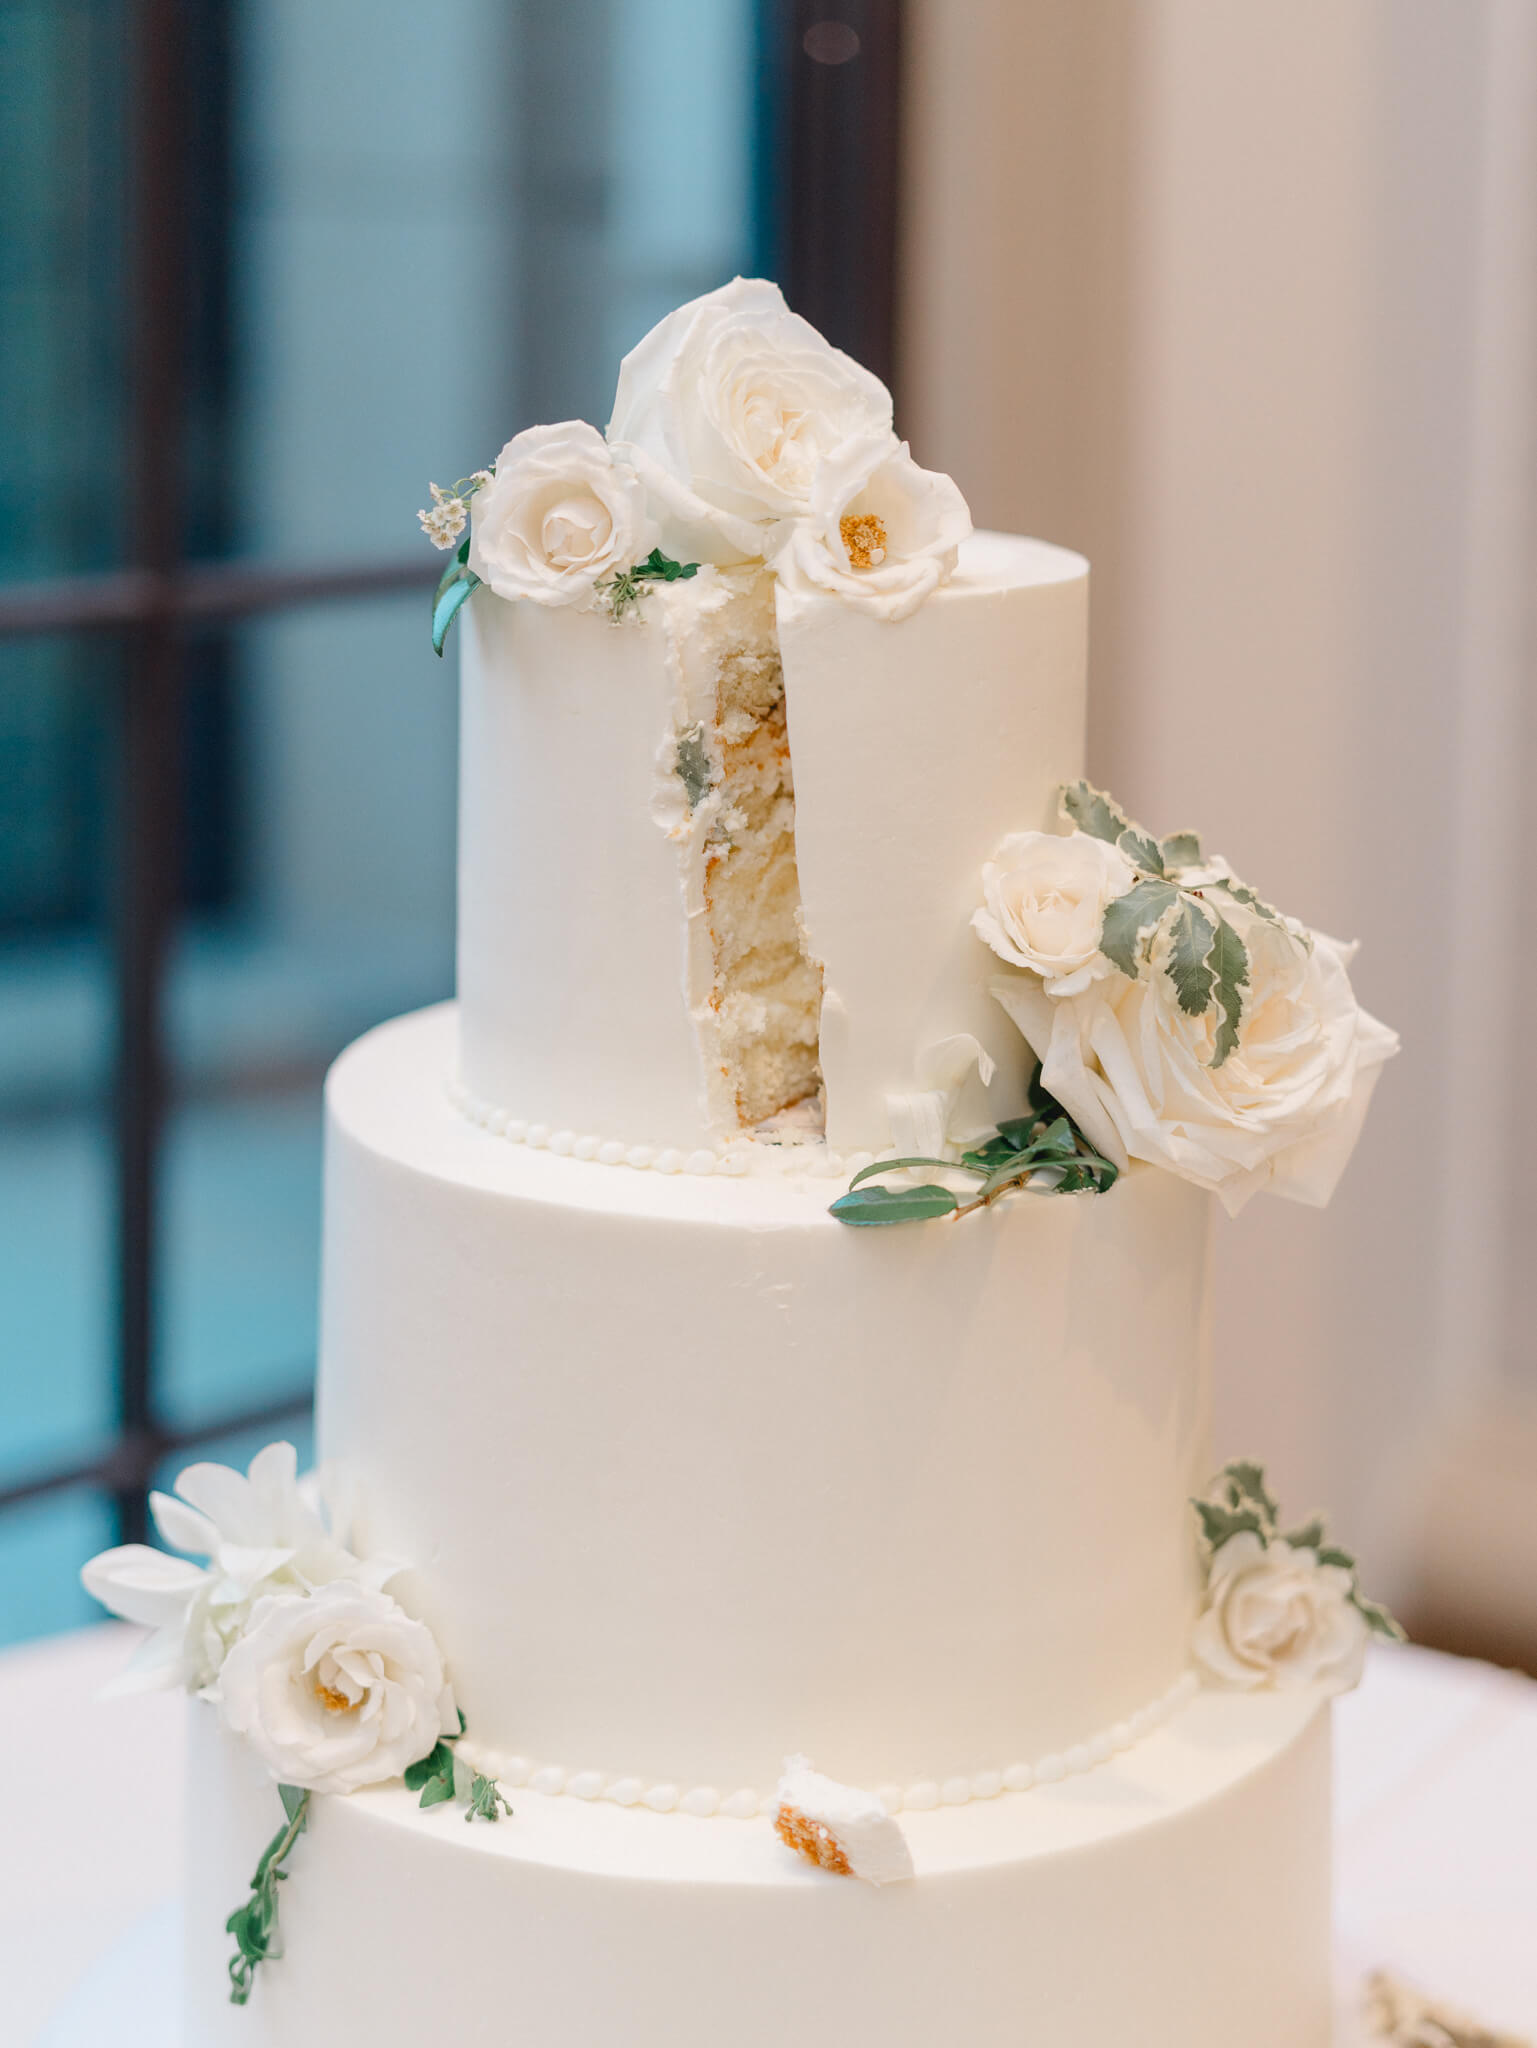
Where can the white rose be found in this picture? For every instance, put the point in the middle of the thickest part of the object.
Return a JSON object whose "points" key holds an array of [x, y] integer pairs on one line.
{"points": [[728, 409], [879, 532], [559, 515], [262, 1531], [337, 1689], [1044, 904], [1276, 1616], [1282, 1112]]}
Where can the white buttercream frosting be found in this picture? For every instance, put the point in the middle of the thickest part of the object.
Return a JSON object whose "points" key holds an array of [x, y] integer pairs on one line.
{"points": [[585, 957], [839, 1827]]}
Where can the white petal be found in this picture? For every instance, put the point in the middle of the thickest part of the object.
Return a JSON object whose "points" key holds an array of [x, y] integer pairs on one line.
{"points": [[141, 1584], [182, 1526]]}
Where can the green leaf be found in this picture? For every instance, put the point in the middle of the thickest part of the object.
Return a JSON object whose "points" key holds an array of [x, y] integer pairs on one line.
{"points": [[295, 1802], [433, 1774], [893, 1205], [446, 609], [1129, 916], [1229, 962], [1219, 1523], [1247, 897], [1016, 1130], [1182, 850], [895, 1165], [1141, 850], [691, 763], [1378, 1619], [993, 1153], [1330, 1553], [663, 568], [1058, 1140], [451, 574], [1093, 812], [1246, 1482], [1310, 1536], [1189, 943]]}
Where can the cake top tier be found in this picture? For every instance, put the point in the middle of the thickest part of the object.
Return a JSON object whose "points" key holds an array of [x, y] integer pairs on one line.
{"points": [[765, 759]]}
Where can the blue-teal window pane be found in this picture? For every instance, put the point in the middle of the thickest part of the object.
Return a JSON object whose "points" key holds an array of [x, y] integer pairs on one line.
{"points": [[341, 806], [62, 332], [240, 1250], [56, 1299], [42, 1547]]}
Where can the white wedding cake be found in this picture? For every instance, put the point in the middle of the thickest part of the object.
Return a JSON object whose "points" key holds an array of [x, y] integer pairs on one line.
{"points": [[764, 1374]]}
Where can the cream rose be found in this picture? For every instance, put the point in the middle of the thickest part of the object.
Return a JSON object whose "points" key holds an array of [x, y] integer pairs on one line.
{"points": [[559, 515], [1283, 1112], [1044, 899], [336, 1690], [879, 532], [1276, 1616], [729, 408]]}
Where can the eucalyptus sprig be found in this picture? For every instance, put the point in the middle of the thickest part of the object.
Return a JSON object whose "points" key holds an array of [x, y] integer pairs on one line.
{"points": [[1206, 958], [439, 1777], [624, 589], [255, 1924], [486, 1800], [1242, 1503], [1044, 1142]]}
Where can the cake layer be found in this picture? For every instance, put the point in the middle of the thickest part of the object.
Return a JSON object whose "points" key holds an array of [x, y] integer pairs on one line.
{"points": [[591, 946], [693, 1476], [1170, 1897]]}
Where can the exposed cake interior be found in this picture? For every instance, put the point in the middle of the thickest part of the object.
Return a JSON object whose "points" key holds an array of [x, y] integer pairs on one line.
{"points": [[767, 990]]}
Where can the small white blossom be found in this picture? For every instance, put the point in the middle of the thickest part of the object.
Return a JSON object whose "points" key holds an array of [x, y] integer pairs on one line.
{"points": [[445, 518]]}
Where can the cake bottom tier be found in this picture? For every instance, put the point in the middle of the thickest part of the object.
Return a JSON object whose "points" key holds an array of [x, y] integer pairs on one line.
{"points": [[1177, 1897]]}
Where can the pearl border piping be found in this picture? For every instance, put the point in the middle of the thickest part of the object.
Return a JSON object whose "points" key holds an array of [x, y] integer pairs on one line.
{"points": [[704, 1802], [811, 1160]]}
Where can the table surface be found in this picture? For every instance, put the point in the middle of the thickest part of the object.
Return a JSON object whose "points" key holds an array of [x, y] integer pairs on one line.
{"points": [[1435, 1847]]}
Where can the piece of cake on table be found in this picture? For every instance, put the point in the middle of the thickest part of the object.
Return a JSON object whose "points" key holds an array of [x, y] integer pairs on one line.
{"points": [[764, 1379]]}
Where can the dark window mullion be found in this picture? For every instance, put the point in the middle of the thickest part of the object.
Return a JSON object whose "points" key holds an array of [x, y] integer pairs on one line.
{"points": [[149, 791]]}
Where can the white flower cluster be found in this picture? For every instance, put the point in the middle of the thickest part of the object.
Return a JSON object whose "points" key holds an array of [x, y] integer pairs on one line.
{"points": [[738, 435], [293, 1636], [1138, 1071], [1282, 1609]]}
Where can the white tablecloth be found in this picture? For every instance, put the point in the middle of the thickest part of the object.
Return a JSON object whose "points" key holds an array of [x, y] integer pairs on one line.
{"points": [[1436, 1799]]}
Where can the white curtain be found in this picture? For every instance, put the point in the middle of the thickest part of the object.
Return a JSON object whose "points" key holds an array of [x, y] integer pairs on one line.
{"points": [[1240, 300]]}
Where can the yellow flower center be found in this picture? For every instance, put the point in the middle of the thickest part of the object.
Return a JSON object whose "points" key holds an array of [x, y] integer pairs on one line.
{"points": [[864, 535], [333, 1702]]}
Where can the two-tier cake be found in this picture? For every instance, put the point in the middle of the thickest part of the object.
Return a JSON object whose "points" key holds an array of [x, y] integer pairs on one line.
{"points": [[764, 1379]]}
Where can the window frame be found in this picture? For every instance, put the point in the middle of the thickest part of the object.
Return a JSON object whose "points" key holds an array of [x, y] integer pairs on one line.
{"points": [[816, 122]]}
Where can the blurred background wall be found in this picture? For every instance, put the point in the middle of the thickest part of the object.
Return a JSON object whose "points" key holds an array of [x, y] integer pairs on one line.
{"points": [[1242, 301]]}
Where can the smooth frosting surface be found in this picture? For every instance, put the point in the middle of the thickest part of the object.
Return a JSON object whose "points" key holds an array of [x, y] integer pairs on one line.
{"points": [[915, 746], [694, 1477], [1152, 1901]]}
